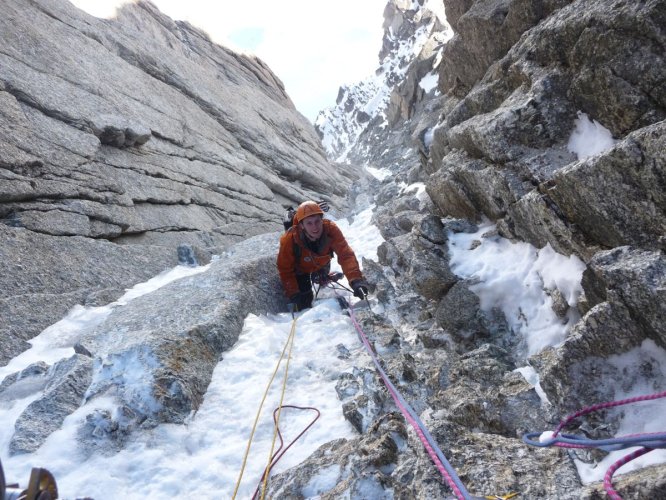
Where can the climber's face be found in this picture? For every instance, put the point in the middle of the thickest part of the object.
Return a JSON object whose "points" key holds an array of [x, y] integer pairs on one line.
{"points": [[313, 227]]}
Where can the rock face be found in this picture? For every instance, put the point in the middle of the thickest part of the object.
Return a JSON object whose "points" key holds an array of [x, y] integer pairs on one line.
{"points": [[492, 142], [155, 355], [380, 109], [66, 385], [137, 131]]}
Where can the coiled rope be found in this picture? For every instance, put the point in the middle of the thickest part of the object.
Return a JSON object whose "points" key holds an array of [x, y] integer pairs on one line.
{"points": [[429, 443], [280, 452], [648, 441]]}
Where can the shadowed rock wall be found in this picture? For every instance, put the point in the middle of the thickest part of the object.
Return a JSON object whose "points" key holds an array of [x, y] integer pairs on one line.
{"points": [[501, 152]]}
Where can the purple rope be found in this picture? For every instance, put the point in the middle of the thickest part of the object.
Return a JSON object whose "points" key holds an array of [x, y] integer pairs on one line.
{"points": [[277, 455]]}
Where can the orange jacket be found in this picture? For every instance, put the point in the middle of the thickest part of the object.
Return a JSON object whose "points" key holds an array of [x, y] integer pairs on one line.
{"points": [[331, 241]]}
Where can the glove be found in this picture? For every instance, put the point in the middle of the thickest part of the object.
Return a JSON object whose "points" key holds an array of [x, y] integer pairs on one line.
{"points": [[323, 205], [300, 301], [360, 288]]}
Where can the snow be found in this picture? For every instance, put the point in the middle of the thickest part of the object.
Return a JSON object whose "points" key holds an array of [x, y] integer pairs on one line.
{"points": [[130, 373], [512, 277], [362, 235], [379, 173], [417, 188], [325, 480], [206, 454], [428, 137], [57, 341], [429, 82], [637, 418], [532, 378], [589, 137]]}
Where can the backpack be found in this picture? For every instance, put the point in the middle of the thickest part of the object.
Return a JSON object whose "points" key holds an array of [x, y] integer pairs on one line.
{"points": [[288, 219]]}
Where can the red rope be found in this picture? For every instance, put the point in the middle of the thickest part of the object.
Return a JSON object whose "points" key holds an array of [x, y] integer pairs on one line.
{"points": [[397, 398], [279, 453], [608, 477]]}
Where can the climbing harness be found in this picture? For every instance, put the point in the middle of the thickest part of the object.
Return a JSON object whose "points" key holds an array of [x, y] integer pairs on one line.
{"points": [[648, 441], [331, 280], [440, 461]]}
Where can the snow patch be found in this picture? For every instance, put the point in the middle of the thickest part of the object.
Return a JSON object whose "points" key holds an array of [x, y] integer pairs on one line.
{"points": [[131, 373], [532, 377], [429, 82], [514, 277], [589, 138], [325, 480], [379, 173], [643, 371]]}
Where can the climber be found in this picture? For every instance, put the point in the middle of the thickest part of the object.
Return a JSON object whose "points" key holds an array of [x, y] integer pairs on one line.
{"points": [[305, 256]]}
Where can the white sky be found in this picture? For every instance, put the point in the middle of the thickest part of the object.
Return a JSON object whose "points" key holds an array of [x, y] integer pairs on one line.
{"points": [[313, 46]]}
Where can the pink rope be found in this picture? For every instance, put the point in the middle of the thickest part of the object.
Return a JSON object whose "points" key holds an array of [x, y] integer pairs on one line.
{"points": [[396, 398], [602, 406], [608, 477]]}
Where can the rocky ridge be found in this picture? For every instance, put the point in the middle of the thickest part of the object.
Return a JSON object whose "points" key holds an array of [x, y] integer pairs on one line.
{"points": [[366, 114]]}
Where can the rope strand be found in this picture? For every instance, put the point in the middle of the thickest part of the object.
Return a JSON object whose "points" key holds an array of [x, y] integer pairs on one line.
{"points": [[279, 411], [436, 455], [261, 405], [280, 452], [608, 477], [602, 406], [648, 441]]}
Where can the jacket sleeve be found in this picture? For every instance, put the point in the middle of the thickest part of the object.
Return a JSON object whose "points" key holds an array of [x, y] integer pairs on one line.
{"points": [[286, 264], [345, 254]]}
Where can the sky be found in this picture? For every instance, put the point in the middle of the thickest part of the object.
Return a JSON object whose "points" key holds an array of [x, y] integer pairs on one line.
{"points": [[313, 46]]}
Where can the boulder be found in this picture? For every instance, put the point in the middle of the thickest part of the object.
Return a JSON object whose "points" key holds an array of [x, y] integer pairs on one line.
{"points": [[66, 383]]}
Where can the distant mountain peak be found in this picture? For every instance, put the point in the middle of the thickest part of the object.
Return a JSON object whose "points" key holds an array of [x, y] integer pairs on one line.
{"points": [[409, 26]]}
